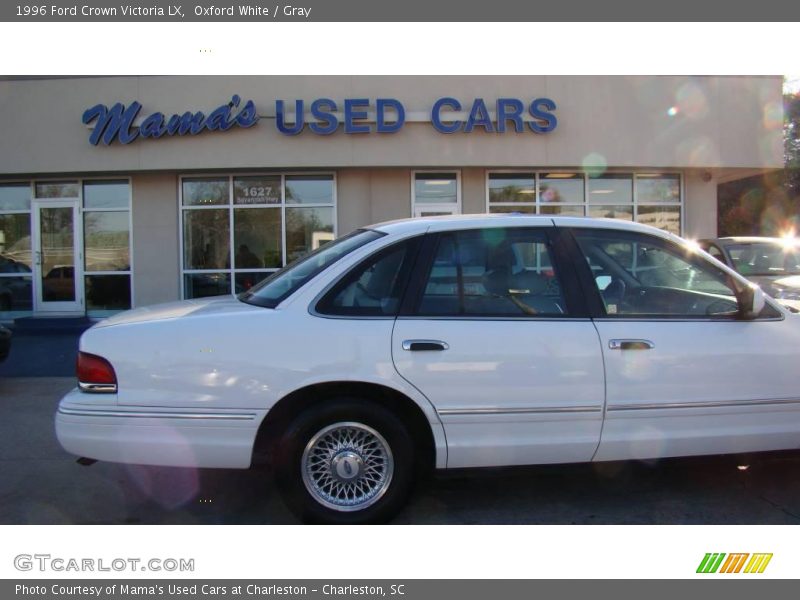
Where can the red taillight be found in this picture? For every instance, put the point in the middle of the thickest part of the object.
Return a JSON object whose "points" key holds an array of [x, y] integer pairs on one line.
{"points": [[95, 369]]}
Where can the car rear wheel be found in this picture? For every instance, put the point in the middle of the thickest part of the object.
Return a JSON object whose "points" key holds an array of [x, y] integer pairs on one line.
{"points": [[347, 462]]}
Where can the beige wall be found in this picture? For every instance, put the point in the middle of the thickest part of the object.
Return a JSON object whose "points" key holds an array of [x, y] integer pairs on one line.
{"points": [[623, 120], [367, 196], [156, 261], [473, 191], [700, 204]]}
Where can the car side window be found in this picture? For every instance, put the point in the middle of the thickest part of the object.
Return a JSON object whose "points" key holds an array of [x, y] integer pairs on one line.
{"points": [[643, 275], [716, 253], [491, 273], [375, 287]]}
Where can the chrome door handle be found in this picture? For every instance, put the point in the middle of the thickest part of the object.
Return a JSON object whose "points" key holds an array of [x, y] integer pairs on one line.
{"points": [[631, 345], [38, 257], [421, 345]]}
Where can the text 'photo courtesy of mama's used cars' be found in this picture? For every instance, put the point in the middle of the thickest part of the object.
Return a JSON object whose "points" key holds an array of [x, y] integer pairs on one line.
{"points": [[441, 343]]}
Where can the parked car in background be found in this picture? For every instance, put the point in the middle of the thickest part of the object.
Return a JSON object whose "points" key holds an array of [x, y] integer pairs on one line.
{"points": [[446, 342], [5, 342], [15, 290], [772, 263]]}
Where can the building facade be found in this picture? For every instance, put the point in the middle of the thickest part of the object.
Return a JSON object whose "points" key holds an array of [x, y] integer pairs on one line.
{"points": [[118, 192]]}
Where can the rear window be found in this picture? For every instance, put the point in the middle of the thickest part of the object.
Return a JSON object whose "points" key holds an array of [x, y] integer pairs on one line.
{"points": [[273, 290]]}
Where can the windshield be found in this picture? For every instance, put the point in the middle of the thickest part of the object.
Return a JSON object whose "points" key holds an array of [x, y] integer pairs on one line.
{"points": [[273, 290], [764, 258]]}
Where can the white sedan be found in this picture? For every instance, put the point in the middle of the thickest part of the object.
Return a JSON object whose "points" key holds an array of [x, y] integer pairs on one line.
{"points": [[445, 343]]}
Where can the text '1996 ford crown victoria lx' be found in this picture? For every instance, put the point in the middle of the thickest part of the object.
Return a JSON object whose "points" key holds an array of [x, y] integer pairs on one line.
{"points": [[442, 343]]}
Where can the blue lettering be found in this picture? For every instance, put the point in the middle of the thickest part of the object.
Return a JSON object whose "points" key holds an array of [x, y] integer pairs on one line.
{"points": [[153, 126], [112, 123], [117, 122], [436, 118], [545, 121], [280, 120], [351, 114], [220, 117], [479, 117], [248, 117], [319, 110], [191, 123], [510, 109], [382, 125]]}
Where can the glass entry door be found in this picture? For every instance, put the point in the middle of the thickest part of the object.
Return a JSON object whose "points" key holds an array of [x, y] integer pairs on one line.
{"points": [[58, 256]]}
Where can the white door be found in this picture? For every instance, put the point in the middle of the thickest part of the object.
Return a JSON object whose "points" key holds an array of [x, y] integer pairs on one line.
{"points": [[684, 375], [513, 376], [58, 257], [422, 210]]}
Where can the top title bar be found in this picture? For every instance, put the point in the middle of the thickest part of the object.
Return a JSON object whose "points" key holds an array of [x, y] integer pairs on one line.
{"points": [[408, 11]]}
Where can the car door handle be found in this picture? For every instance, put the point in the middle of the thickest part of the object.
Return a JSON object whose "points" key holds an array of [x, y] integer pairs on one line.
{"points": [[631, 345], [422, 345]]}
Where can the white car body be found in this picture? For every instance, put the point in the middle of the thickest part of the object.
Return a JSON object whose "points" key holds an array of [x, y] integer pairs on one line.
{"points": [[197, 378]]}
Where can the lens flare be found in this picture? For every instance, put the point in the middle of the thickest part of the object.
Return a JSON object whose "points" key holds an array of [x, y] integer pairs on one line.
{"points": [[595, 164], [691, 100], [773, 115], [693, 246], [672, 111]]}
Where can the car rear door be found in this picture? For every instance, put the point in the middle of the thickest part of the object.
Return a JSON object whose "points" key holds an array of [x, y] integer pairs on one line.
{"points": [[684, 374], [494, 332]]}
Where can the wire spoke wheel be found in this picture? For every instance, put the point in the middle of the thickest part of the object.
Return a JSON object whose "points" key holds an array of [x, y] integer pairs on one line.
{"points": [[347, 466]]}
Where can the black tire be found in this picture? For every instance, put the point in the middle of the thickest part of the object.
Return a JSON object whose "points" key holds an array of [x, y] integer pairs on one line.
{"points": [[343, 417]]}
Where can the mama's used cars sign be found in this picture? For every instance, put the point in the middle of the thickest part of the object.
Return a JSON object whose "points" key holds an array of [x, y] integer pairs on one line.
{"points": [[324, 116]]}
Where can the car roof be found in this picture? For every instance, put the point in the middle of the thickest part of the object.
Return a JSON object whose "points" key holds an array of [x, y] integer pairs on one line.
{"points": [[752, 239], [480, 221]]}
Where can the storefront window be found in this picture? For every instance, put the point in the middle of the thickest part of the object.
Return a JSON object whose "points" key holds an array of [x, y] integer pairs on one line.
{"points": [[611, 188], [107, 246], [257, 190], [651, 198], [205, 192], [561, 188], [309, 189], [57, 189], [622, 212], [239, 229], [306, 230], [435, 193], [257, 232], [15, 196], [658, 188], [206, 239], [658, 199], [516, 188], [16, 280]]}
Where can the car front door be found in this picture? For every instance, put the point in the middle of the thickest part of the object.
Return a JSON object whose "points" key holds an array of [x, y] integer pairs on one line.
{"points": [[685, 374], [494, 333]]}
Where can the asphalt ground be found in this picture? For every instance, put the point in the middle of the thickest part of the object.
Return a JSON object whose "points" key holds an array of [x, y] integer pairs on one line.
{"points": [[42, 484], [41, 355]]}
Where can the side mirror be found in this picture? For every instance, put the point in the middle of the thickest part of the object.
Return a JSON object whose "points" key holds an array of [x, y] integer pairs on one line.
{"points": [[751, 302]]}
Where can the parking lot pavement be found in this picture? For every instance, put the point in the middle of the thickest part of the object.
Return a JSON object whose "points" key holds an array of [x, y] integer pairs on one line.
{"points": [[41, 355], [40, 483]]}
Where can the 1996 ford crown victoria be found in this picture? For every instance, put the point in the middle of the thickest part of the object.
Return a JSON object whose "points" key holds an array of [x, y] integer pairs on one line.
{"points": [[442, 343]]}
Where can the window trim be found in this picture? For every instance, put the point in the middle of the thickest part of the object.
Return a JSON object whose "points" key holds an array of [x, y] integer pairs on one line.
{"points": [[230, 206], [455, 209], [595, 300]]}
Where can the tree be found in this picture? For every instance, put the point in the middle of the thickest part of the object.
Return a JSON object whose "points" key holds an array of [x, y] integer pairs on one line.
{"points": [[791, 144]]}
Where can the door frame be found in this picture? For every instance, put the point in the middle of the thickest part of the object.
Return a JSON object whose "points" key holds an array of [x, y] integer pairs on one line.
{"points": [[40, 306]]}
